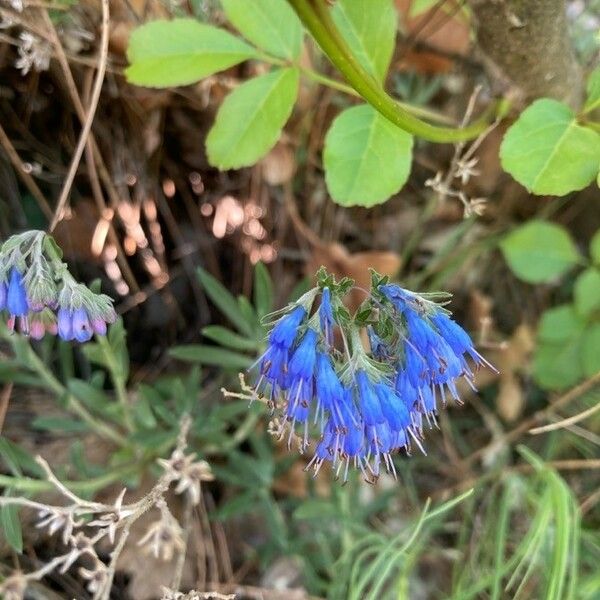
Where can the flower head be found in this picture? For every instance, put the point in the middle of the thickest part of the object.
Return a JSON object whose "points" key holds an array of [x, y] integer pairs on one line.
{"points": [[366, 404], [41, 296]]}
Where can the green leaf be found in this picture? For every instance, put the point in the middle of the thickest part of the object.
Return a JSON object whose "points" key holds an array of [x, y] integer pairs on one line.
{"points": [[595, 248], [224, 300], [62, 424], [142, 412], [211, 355], [539, 251], [250, 120], [560, 323], [270, 24], [369, 28], [590, 350], [263, 290], [593, 91], [587, 292], [226, 337], [182, 51], [89, 394], [240, 504], [11, 526], [18, 460], [548, 152], [558, 366], [366, 158]]}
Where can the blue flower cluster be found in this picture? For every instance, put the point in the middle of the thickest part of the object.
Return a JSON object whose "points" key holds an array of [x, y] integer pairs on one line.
{"points": [[363, 404], [40, 296]]}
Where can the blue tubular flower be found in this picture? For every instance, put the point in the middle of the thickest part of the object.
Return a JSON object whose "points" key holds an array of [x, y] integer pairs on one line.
{"points": [[328, 387], [326, 316], [398, 296], [415, 365], [393, 408], [16, 299], [302, 363], [379, 349], [65, 324], [82, 330], [368, 402], [3, 295], [285, 330]]}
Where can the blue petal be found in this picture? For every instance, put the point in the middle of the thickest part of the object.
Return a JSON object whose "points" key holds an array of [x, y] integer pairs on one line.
{"points": [[65, 324], [82, 330], [368, 401], [393, 408], [16, 300], [285, 330]]}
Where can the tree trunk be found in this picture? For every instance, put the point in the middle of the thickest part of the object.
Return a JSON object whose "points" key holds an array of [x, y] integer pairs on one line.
{"points": [[527, 48]]}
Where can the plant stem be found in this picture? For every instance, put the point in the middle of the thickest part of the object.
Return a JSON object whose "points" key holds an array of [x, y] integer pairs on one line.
{"points": [[73, 403], [317, 19], [347, 89], [118, 382], [28, 484]]}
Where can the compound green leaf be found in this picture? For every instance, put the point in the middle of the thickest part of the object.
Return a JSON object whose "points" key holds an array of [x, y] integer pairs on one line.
{"points": [[182, 51], [560, 323], [250, 120], [558, 366], [593, 91], [587, 292], [591, 350], [366, 158], [270, 24], [369, 28], [595, 248], [539, 251], [548, 152]]}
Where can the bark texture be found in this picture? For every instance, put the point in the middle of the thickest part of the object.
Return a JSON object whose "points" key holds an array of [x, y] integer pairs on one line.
{"points": [[527, 47]]}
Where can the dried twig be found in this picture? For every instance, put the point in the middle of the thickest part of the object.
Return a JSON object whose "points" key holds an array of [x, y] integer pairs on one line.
{"points": [[87, 126]]}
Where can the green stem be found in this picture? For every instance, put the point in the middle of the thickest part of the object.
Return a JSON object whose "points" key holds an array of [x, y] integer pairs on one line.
{"points": [[73, 403], [118, 381], [28, 484], [347, 89], [317, 19]]}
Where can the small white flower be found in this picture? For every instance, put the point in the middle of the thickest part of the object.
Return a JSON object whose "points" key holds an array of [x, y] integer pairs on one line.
{"points": [[111, 520], [34, 53], [188, 473]]}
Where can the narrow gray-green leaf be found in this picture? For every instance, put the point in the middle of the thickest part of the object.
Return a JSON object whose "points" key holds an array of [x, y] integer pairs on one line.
{"points": [[369, 28], [250, 120], [270, 24], [548, 152], [366, 158], [11, 527], [539, 251], [211, 355], [182, 51], [228, 338], [224, 300]]}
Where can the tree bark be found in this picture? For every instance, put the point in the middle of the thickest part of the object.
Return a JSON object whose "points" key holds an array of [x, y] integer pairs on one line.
{"points": [[527, 48]]}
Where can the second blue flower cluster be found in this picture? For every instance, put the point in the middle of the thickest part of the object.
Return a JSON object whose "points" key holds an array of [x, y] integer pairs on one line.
{"points": [[362, 388]]}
